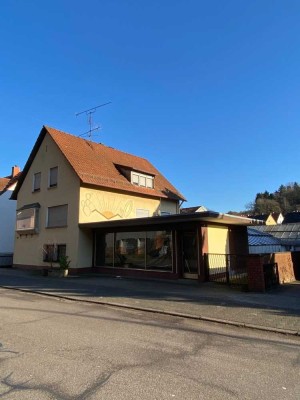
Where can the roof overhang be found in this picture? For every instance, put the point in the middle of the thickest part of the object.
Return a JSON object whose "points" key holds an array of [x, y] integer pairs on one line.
{"points": [[174, 219]]}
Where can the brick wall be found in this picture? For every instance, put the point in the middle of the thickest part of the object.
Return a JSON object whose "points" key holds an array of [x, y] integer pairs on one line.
{"points": [[285, 265], [256, 281]]}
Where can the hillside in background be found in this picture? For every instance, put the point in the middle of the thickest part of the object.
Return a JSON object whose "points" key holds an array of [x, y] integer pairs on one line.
{"points": [[285, 199]]}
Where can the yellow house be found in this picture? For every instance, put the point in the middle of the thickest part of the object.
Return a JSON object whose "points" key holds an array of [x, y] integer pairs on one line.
{"points": [[113, 212], [68, 181]]}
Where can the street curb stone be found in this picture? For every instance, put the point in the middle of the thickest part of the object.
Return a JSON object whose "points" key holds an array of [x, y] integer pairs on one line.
{"points": [[162, 312]]}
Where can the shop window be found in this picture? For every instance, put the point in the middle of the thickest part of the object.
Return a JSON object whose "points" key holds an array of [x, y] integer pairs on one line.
{"points": [[150, 250]]}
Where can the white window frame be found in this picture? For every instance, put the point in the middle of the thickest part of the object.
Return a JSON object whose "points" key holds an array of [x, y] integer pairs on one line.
{"points": [[145, 213], [142, 180]]}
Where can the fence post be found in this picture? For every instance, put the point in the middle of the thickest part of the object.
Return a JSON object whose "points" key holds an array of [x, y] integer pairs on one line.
{"points": [[227, 268], [206, 266]]}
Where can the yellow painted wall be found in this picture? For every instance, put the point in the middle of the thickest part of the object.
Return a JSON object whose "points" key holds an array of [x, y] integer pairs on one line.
{"points": [[84, 205], [29, 248], [270, 220], [99, 205], [218, 244]]}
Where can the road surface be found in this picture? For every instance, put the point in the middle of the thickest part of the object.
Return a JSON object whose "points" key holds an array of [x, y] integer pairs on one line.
{"points": [[57, 349]]}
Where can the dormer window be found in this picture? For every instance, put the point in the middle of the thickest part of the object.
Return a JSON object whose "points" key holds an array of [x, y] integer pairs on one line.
{"points": [[142, 180]]}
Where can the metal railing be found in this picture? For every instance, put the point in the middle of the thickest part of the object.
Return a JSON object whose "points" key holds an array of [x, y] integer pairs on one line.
{"points": [[226, 268]]}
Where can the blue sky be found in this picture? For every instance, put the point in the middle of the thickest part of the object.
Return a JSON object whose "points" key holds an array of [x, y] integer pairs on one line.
{"points": [[208, 91]]}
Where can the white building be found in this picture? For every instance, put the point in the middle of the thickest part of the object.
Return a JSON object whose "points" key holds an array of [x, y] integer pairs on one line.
{"points": [[8, 216]]}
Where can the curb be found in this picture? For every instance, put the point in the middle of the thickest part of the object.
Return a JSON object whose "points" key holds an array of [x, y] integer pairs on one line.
{"points": [[290, 332]]}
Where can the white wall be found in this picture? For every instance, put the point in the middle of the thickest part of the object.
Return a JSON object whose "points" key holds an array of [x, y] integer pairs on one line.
{"points": [[8, 220]]}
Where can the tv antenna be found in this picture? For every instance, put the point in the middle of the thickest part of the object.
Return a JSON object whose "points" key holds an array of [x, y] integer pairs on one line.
{"points": [[89, 114]]}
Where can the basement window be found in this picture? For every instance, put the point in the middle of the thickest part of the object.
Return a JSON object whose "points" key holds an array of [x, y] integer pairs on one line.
{"points": [[53, 252]]}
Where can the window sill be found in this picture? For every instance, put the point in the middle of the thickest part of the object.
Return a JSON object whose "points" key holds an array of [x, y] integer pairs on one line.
{"points": [[56, 227]]}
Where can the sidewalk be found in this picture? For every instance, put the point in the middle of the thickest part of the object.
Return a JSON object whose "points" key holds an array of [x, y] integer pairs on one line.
{"points": [[277, 310]]}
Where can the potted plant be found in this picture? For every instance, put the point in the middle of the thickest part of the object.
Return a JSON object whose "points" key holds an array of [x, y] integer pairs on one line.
{"points": [[64, 264]]}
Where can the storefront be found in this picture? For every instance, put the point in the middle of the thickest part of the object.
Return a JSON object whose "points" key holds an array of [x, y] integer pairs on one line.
{"points": [[167, 247]]}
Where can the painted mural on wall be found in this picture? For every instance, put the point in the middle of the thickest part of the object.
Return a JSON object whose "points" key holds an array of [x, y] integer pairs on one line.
{"points": [[107, 206]]}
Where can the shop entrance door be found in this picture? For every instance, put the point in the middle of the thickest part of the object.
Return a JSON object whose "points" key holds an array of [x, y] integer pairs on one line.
{"points": [[190, 255]]}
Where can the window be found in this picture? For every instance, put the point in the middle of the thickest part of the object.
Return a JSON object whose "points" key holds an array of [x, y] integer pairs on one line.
{"points": [[27, 219], [57, 216], [37, 182], [53, 173], [151, 250], [53, 252], [142, 180], [140, 213]]}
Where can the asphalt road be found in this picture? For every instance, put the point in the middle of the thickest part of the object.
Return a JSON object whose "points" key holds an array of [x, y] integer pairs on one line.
{"points": [[58, 349]]}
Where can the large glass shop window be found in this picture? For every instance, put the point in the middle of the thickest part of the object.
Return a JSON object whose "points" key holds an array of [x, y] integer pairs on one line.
{"points": [[159, 251], [109, 250], [137, 250], [130, 250]]}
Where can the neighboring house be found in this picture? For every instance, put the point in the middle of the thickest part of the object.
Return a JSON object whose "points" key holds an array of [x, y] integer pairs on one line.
{"points": [[292, 217], [278, 217], [8, 215], [268, 219], [112, 212], [191, 210]]}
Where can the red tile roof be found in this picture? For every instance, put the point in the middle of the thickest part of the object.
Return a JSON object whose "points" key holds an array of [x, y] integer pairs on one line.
{"points": [[3, 183], [8, 181], [97, 165]]}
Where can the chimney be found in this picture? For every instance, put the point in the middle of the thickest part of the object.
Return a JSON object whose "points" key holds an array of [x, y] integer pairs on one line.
{"points": [[15, 170]]}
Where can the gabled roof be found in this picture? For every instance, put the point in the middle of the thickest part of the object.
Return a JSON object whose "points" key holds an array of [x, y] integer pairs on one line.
{"points": [[8, 181], [98, 165], [260, 217], [191, 210]]}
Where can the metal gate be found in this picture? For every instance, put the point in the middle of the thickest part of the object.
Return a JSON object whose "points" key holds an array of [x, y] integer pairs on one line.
{"points": [[228, 269]]}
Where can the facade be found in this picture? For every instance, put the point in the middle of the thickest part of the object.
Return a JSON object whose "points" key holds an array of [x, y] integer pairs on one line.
{"points": [[8, 215], [112, 212], [68, 181], [268, 219], [278, 218]]}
